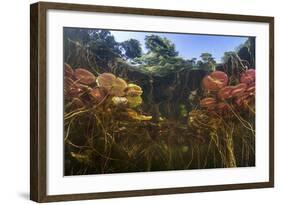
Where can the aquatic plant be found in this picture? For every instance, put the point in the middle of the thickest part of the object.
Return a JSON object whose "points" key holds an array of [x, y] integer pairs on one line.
{"points": [[84, 76], [120, 101], [222, 111], [215, 81], [133, 90], [248, 76], [127, 111], [134, 115], [114, 133], [68, 71], [114, 85], [225, 93], [208, 102], [98, 94]]}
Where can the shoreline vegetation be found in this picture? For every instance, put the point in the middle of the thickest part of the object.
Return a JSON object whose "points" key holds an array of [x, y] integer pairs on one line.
{"points": [[129, 111]]}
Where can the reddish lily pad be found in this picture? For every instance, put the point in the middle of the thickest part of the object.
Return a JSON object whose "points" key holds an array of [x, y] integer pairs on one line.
{"points": [[71, 88], [239, 89], [251, 89], [84, 76], [68, 82], [248, 76], [247, 96], [242, 100], [225, 93], [215, 81], [208, 102], [74, 91], [98, 94], [222, 107]]}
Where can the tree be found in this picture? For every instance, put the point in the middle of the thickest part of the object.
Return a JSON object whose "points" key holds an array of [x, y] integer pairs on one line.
{"points": [[227, 55], [161, 46], [193, 61], [208, 62], [131, 48], [206, 57], [246, 51], [95, 49], [161, 58], [74, 40], [78, 35], [103, 45], [199, 63]]}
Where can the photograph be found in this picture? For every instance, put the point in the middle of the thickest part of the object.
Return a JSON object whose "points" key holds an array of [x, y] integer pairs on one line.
{"points": [[144, 101]]}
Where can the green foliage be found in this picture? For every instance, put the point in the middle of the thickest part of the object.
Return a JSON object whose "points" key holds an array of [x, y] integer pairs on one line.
{"points": [[227, 55], [247, 51], [79, 35], [132, 48], [161, 46], [207, 62], [156, 65], [103, 45], [162, 58]]}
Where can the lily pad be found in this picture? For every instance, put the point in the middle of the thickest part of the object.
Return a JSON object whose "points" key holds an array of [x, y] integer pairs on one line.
{"points": [[208, 102], [225, 92], [222, 108], [114, 85], [134, 101], [136, 116], [239, 89], [215, 81], [84, 76], [133, 90], [251, 89], [105, 80], [98, 94], [248, 76], [119, 101], [71, 88]]}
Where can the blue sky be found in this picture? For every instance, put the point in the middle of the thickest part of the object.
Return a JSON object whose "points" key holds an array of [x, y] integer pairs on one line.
{"points": [[189, 45]]}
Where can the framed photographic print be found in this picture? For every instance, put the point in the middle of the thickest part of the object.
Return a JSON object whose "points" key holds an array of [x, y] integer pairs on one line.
{"points": [[134, 102]]}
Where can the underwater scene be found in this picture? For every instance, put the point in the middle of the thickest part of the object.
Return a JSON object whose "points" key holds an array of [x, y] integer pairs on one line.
{"points": [[137, 101]]}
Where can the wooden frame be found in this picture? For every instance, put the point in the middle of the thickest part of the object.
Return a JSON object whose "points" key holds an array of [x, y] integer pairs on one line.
{"points": [[38, 101]]}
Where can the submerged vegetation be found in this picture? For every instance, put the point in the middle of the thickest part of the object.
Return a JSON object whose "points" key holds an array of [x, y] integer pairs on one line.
{"points": [[129, 111]]}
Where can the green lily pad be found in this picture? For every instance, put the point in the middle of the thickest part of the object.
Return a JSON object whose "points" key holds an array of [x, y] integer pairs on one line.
{"points": [[134, 101], [136, 116], [133, 90]]}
